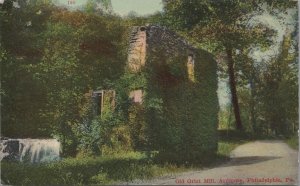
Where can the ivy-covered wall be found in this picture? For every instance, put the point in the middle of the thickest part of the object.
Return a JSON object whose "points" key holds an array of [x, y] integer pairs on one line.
{"points": [[179, 109]]}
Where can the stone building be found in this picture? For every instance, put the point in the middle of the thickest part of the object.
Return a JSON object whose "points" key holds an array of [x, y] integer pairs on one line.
{"points": [[175, 85], [172, 90]]}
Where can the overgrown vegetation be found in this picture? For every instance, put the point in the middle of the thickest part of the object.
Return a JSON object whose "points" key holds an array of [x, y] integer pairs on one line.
{"points": [[79, 52], [61, 56], [175, 105], [113, 169], [52, 59], [81, 171]]}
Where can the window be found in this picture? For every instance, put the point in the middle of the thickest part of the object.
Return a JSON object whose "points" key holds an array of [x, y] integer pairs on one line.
{"points": [[190, 67], [136, 96], [103, 99]]}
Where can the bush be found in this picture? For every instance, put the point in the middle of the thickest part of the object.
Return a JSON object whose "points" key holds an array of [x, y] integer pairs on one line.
{"points": [[83, 171]]}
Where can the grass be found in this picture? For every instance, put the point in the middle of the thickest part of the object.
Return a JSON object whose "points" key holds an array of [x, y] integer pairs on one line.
{"points": [[293, 142], [225, 147], [100, 170], [124, 167], [83, 171], [229, 140]]}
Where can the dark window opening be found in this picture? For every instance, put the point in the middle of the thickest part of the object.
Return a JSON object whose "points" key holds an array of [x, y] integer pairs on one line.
{"points": [[142, 29], [97, 102]]}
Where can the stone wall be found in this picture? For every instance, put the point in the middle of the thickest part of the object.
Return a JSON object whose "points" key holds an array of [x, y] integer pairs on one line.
{"points": [[142, 38], [137, 49]]}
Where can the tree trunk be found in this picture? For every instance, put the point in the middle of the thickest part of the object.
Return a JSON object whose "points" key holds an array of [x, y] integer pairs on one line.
{"points": [[252, 102], [232, 85]]}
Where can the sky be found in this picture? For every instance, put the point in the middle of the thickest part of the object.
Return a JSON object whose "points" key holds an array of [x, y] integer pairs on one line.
{"points": [[123, 7], [275, 24], [141, 7]]}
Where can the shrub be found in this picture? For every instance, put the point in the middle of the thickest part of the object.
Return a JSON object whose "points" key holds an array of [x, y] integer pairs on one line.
{"points": [[84, 171]]}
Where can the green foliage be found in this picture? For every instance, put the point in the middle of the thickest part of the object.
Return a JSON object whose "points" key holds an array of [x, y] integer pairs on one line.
{"points": [[102, 135], [100, 7], [83, 171], [206, 23], [137, 125], [112, 169], [215, 29], [293, 141], [21, 105], [178, 112], [268, 94], [225, 148], [229, 139], [50, 58], [48, 66], [226, 119]]}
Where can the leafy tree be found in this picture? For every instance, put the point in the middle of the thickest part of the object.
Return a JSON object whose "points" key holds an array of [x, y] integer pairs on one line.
{"points": [[21, 105], [279, 91], [98, 7], [226, 31], [81, 53], [50, 58], [268, 89]]}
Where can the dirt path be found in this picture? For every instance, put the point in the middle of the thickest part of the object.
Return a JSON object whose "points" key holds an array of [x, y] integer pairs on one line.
{"points": [[256, 163]]}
